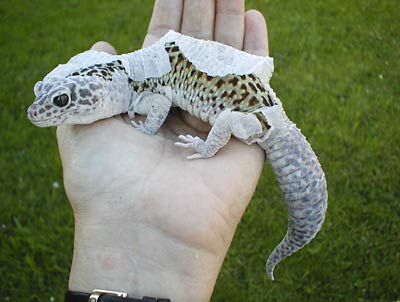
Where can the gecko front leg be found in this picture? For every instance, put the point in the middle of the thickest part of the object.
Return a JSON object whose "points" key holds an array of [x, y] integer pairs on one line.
{"points": [[156, 108], [241, 125]]}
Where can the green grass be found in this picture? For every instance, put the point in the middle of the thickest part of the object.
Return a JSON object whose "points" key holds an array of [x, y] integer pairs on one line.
{"points": [[338, 75]]}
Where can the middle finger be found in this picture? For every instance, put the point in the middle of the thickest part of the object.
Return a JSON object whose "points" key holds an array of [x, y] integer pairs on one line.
{"points": [[198, 19], [229, 22]]}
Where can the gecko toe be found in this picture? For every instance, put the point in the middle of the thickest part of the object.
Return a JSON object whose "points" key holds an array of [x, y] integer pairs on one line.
{"points": [[137, 124], [186, 138], [183, 145], [195, 156]]}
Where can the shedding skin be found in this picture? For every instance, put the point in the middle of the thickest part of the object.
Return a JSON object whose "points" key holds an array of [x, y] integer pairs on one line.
{"points": [[242, 105]]}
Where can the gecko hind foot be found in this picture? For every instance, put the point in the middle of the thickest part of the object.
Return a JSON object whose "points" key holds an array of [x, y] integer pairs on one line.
{"points": [[196, 143], [143, 128]]}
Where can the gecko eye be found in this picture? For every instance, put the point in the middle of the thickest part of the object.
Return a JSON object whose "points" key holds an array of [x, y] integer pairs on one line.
{"points": [[61, 100]]}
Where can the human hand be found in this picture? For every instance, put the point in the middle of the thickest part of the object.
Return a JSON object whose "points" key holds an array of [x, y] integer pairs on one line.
{"points": [[147, 220]]}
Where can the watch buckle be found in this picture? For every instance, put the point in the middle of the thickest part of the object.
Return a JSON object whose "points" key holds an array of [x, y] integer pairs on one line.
{"points": [[96, 293]]}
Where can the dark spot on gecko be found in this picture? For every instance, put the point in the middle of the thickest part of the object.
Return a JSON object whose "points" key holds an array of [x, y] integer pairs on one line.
{"points": [[270, 100], [262, 120], [245, 95], [189, 65], [253, 101], [251, 85], [48, 107], [224, 95], [84, 102], [252, 76], [219, 83], [92, 86], [265, 102], [221, 107], [85, 93], [75, 73], [243, 86], [234, 81], [180, 59], [236, 102], [259, 86], [55, 111], [243, 77], [175, 49], [48, 114], [95, 99], [41, 110], [73, 95], [119, 62], [169, 45], [209, 78], [232, 94]]}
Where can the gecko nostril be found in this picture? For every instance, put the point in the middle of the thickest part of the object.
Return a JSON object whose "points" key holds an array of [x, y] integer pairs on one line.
{"points": [[32, 112]]}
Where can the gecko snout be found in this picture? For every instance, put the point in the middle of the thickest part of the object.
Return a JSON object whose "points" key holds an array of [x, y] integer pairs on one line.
{"points": [[32, 111]]}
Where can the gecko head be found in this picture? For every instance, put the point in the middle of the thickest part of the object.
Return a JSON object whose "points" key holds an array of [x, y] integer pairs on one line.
{"points": [[70, 100]]}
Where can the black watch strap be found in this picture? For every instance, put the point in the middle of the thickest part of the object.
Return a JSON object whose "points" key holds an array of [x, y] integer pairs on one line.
{"points": [[106, 296]]}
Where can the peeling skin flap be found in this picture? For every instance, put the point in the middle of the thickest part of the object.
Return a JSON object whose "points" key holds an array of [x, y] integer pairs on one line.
{"points": [[82, 60], [217, 59], [149, 62], [211, 57], [214, 58]]}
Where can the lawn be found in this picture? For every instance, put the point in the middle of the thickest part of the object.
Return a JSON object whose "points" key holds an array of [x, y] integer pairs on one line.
{"points": [[337, 72]]}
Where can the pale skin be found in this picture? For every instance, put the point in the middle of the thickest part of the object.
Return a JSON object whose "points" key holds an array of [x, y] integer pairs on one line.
{"points": [[148, 221]]}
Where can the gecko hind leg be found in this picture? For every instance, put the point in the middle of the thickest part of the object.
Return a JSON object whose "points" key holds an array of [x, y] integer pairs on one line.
{"points": [[241, 125], [156, 107]]}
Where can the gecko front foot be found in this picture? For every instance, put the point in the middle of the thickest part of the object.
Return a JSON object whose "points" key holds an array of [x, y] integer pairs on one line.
{"points": [[197, 144]]}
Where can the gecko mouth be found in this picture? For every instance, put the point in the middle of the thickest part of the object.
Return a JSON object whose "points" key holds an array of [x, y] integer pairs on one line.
{"points": [[49, 121]]}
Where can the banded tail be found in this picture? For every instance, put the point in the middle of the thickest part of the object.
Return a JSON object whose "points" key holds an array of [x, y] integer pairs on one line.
{"points": [[303, 184]]}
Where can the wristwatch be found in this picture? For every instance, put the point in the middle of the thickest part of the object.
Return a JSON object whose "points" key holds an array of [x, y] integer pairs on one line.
{"points": [[101, 295]]}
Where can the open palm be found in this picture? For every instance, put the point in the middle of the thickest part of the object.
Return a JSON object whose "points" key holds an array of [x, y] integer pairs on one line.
{"points": [[149, 221]]}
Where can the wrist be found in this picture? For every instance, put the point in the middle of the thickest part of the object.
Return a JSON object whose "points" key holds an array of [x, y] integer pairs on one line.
{"points": [[134, 258]]}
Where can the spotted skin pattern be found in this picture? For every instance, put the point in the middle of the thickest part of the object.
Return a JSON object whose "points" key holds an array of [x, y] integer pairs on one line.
{"points": [[238, 105], [243, 93], [104, 71]]}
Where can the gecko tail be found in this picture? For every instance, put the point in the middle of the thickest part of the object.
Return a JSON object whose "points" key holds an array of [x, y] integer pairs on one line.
{"points": [[303, 184]]}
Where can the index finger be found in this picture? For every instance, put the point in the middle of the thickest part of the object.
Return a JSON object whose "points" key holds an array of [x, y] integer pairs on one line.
{"points": [[167, 14]]}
